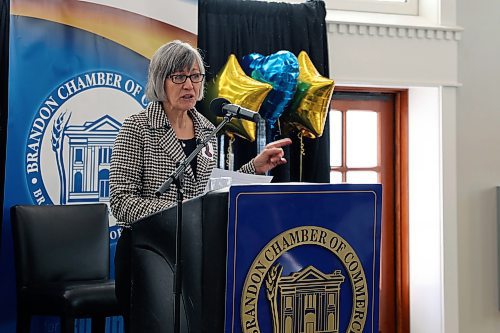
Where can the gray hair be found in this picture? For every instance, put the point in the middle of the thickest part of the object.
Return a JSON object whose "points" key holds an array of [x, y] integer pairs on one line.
{"points": [[172, 57]]}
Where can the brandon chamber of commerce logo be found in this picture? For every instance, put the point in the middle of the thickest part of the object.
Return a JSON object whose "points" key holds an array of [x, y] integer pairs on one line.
{"points": [[69, 144], [307, 300]]}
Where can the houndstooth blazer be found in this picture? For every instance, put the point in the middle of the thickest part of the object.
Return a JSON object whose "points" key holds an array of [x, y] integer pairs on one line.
{"points": [[145, 153]]}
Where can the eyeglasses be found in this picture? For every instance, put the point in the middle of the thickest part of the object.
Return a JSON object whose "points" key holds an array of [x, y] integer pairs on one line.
{"points": [[181, 78]]}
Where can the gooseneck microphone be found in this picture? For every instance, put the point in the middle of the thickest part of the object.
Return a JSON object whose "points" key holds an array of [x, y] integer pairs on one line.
{"points": [[221, 105]]}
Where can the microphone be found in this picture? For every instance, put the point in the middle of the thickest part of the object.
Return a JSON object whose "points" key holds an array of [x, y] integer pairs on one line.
{"points": [[236, 111]]}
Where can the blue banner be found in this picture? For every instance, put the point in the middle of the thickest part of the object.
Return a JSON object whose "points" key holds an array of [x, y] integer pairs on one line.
{"points": [[66, 106], [303, 258]]}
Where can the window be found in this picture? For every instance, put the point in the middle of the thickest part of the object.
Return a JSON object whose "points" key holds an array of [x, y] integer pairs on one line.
{"points": [[368, 144], [104, 155], [408, 7], [103, 179], [78, 155], [78, 182], [360, 164]]}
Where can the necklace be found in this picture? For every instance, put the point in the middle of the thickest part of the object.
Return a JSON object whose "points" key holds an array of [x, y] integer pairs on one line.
{"points": [[183, 144]]}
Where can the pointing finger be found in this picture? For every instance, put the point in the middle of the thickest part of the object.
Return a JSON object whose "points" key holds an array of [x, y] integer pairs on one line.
{"points": [[279, 143]]}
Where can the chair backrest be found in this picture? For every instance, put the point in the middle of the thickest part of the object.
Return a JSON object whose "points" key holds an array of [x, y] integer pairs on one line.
{"points": [[60, 243]]}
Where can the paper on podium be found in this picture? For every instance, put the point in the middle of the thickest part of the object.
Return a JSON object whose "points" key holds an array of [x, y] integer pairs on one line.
{"points": [[237, 178]]}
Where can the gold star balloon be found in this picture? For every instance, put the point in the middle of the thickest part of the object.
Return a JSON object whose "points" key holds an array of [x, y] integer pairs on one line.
{"points": [[310, 104], [234, 85]]}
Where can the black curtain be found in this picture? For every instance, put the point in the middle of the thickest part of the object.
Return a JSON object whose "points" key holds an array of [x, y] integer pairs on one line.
{"points": [[243, 27], [4, 78]]}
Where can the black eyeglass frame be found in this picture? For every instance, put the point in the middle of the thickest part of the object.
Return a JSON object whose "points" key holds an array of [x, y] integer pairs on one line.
{"points": [[176, 78]]}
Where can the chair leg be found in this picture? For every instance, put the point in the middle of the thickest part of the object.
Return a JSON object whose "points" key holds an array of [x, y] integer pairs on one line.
{"points": [[98, 324], [67, 325], [23, 321]]}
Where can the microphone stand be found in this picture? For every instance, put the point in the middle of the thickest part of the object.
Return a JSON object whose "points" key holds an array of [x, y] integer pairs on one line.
{"points": [[177, 177]]}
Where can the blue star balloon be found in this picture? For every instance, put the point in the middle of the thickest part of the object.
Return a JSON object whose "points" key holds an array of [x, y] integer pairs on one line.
{"points": [[281, 70]]}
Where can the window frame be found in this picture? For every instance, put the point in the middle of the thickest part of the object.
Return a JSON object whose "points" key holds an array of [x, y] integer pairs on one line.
{"points": [[409, 7]]}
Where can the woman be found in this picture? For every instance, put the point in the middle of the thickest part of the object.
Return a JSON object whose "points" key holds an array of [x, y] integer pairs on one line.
{"points": [[151, 142]]}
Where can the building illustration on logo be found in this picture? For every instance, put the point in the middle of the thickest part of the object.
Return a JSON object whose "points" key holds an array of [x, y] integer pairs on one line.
{"points": [[307, 301], [90, 145]]}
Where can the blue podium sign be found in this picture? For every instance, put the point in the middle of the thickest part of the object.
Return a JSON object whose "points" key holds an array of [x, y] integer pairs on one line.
{"points": [[303, 258]]}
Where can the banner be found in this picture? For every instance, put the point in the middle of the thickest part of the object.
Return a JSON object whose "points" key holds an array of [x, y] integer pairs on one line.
{"points": [[77, 70], [306, 260]]}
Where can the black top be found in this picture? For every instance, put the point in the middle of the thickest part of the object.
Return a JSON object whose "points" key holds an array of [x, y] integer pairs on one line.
{"points": [[189, 145]]}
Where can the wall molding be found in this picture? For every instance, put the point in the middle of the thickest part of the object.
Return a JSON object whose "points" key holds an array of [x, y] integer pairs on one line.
{"points": [[397, 84], [395, 31]]}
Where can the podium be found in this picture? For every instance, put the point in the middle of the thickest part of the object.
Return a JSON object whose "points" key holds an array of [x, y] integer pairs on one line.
{"points": [[320, 241], [204, 267]]}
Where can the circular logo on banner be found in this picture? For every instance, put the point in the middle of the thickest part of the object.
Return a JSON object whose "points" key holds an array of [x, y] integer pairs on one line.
{"points": [[307, 300], [70, 141]]}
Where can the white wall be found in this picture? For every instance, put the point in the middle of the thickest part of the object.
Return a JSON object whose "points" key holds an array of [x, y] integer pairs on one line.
{"points": [[426, 289], [478, 164], [422, 58], [454, 79]]}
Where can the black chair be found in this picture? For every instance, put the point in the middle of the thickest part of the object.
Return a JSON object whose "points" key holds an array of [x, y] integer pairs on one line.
{"points": [[62, 265]]}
